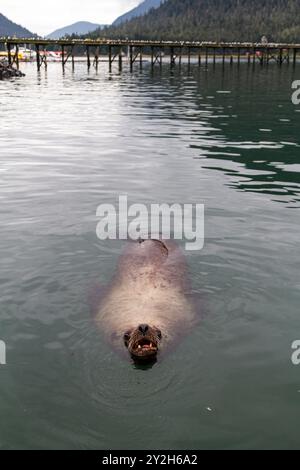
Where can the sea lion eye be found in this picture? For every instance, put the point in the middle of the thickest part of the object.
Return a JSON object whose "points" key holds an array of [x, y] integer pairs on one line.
{"points": [[127, 337], [159, 334]]}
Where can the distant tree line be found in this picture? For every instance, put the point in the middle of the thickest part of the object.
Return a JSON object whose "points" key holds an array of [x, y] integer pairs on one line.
{"points": [[213, 20]]}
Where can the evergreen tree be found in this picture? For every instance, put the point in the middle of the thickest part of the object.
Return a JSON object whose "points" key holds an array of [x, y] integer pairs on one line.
{"points": [[214, 20]]}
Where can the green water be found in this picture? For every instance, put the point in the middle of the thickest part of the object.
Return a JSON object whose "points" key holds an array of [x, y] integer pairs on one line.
{"points": [[226, 138]]}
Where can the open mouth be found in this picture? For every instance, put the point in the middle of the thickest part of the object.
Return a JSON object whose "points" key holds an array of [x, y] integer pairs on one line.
{"points": [[144, 347]]}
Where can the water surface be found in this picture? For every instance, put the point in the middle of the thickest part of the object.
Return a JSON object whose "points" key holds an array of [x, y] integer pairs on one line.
{"points": [[228, 138]]}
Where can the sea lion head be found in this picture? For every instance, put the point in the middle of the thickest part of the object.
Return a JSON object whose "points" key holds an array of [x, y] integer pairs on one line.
{"points": [[143, 342]]}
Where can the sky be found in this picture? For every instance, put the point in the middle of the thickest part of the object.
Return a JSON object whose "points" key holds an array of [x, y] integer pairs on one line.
{"points": [[46, 16]]}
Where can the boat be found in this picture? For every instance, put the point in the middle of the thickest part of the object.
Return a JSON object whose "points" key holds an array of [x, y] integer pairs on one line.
{"points": [[53, 56], [24, 55]]}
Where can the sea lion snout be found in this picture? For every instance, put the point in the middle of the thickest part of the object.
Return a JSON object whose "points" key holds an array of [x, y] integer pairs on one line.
{"points": [[143, 329], [143, 342]]}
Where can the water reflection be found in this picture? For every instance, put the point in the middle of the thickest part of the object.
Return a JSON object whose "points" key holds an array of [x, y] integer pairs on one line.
{"points": [[240, 120]]}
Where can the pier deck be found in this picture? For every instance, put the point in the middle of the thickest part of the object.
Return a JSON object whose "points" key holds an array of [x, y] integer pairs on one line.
{"points": [[115, 50]]}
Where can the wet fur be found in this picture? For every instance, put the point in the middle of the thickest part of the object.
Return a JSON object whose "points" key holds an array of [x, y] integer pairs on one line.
{"points": [[149, 287]]}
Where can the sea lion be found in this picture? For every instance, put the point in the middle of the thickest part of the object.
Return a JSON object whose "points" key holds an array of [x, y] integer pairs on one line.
{"points": [[146, 306]]}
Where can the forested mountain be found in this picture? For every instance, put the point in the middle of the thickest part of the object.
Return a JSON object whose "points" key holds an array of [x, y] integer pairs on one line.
{"points": [[227, 20], [8, 28], [140, 10]]}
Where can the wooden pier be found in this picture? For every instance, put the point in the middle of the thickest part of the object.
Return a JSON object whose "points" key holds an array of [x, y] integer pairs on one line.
{"points": [[159, 52]]}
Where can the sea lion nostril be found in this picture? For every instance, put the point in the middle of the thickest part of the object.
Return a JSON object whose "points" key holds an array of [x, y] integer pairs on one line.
{"points": [[143, 329]]}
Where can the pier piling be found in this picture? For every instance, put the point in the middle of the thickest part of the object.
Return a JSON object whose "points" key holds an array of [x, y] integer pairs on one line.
{"points": [[9, 54], [63, 55], [88, 57], [121, 59], [38, 59], [294, 56], [17, 56]]}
